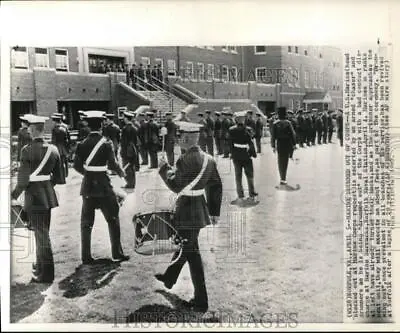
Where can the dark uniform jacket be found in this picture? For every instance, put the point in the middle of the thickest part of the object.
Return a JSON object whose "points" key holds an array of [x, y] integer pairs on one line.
{"points": [[129, 141], [339, 122], [282, 134], [324, 121], [113, 133], [61, 139], [319, 124], [154, 133], [171, 131], [209, 127], [38, 195], [240, 134], [252, 124], [259, 128], [217, 128], [23, 139], [330, 122], [84, 131], [226, 124], [143, 132], [96, 184], [301, 123], [203, 130], [194, 212]]}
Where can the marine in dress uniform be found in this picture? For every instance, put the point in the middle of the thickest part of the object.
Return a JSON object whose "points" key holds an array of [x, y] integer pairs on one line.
{"points": [[319, 126], [136, 124], [301, 128], [308, 127], [112, 132], [217, 132], [39, 172], [203, 132], [61, 139], [129, 146], [339, 124], [242, 152], [227, 123], [258, 132], [198, 205], [93, 156], [170, 138], [144, 139], [24, 137], [209, 132], [283, 140], [324, 127], [250, 122], [154, 140]]}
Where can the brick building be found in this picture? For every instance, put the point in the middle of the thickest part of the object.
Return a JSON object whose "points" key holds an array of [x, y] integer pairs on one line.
{"points": [[68, 79]]}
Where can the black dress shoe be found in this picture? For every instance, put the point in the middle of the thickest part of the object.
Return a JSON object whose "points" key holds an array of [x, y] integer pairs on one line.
{"points": [[197, 306], [161, 278], [121, 257], [37, 279]]}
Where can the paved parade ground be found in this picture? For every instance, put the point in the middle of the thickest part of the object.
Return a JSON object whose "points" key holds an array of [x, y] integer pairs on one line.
{"points": [[282, 256]]}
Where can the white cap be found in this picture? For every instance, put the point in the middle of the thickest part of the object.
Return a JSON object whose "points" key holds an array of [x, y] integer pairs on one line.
{"points": [[240, 113], [94, 114], [188, 127], [34, 119]]}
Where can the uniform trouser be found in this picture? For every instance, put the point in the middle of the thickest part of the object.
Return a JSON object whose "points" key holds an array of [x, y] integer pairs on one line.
{"points": [[330, 133], [191, 255], [110, 209], [247, 165], [64, 162], [39, 220], [324, 135], [302, 137], [284, 152], [144, 153], [227, 147], [210, 145], [258, 144], [153, 156], [169, 149], [130, 172], [137, 163], [218, 145], [313, 136], [340, 137], [203, 145], [319, 135]]}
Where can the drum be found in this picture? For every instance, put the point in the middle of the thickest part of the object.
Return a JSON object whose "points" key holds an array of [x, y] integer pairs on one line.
{"points": [[155, 233], [19, 219]]}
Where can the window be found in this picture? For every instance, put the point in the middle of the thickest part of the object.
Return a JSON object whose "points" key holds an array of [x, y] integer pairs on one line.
{"points": [[171, 64], [261, 73], [260, 49], [103, 64], [189, 70], [296, 49], [200, 70], [159, 61], [290, 77], [292, 104], [297, 78], [321, 80], [210, 47], [234, 74], [62, 60], [210, 72], [232, 49], [307, 79], [305, 52], [289, 49], [224, 73], [19, 57], [41, 57], [320, 55], [315, 79], [224, 48], [145, 61]]}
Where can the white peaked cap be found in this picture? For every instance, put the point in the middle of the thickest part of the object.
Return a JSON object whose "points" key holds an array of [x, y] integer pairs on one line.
{"points": [[34, 119]]}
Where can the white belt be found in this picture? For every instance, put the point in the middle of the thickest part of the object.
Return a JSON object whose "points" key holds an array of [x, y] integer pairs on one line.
{"points": [[95, 168], [41, 178], [193, 193], [237, 145]]}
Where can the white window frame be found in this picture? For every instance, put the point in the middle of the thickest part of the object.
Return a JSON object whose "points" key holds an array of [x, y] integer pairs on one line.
{"points": [[223, 77], [210, 72], [144, 62], [260, 78], [189, 64], [171, 69], [316, 76], [209, 47], [289, 81], [305, 52], [47, 58], [232, 49], [321, 80], [297, 83], [235, 76], [66, 57], [306, 79], [200, 72], [289, 49], [296, 50], [259, 53], [225, 48], [14, 57]]}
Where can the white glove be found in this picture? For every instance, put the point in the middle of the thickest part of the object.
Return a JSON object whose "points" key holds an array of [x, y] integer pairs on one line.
{"points": [[15, 202]]}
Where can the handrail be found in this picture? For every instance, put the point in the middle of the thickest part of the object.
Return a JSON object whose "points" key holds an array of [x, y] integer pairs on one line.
{"points": [[157, 88]]}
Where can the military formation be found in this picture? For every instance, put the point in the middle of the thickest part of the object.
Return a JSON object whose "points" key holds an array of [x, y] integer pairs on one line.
{"points": [[104, 149]]}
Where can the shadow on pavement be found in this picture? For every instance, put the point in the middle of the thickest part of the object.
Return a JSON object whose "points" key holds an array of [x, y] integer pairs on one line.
{"points": [[25, 299], [89, 277], [288, 188], [178, 313]]}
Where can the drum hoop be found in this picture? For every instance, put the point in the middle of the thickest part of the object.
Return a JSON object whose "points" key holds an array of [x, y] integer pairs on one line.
{"points": [[153, 212]]}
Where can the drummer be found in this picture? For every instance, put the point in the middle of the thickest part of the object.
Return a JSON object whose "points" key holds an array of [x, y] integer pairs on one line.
{"points": [[195, 175]]}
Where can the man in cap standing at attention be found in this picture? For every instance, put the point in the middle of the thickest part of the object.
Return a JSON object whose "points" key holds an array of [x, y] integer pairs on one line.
{"points": [[129, 143], [339, 124], [259, 132], [283, 140], [112, 132], [154, 140], [40, 171], [23, 137], [61, 139], [210, 133], [227, 123], [242, 151], [170, 138], [195, 178], [92, 159], [217, 132], [203, 132]]}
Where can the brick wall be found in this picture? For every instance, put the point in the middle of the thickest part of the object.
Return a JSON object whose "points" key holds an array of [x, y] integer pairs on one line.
{"points": [[126, 98], [25, 81]]}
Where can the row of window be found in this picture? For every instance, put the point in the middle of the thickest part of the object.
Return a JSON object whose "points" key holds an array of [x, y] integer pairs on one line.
{"points": [[20, 58], [314, 51]]}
